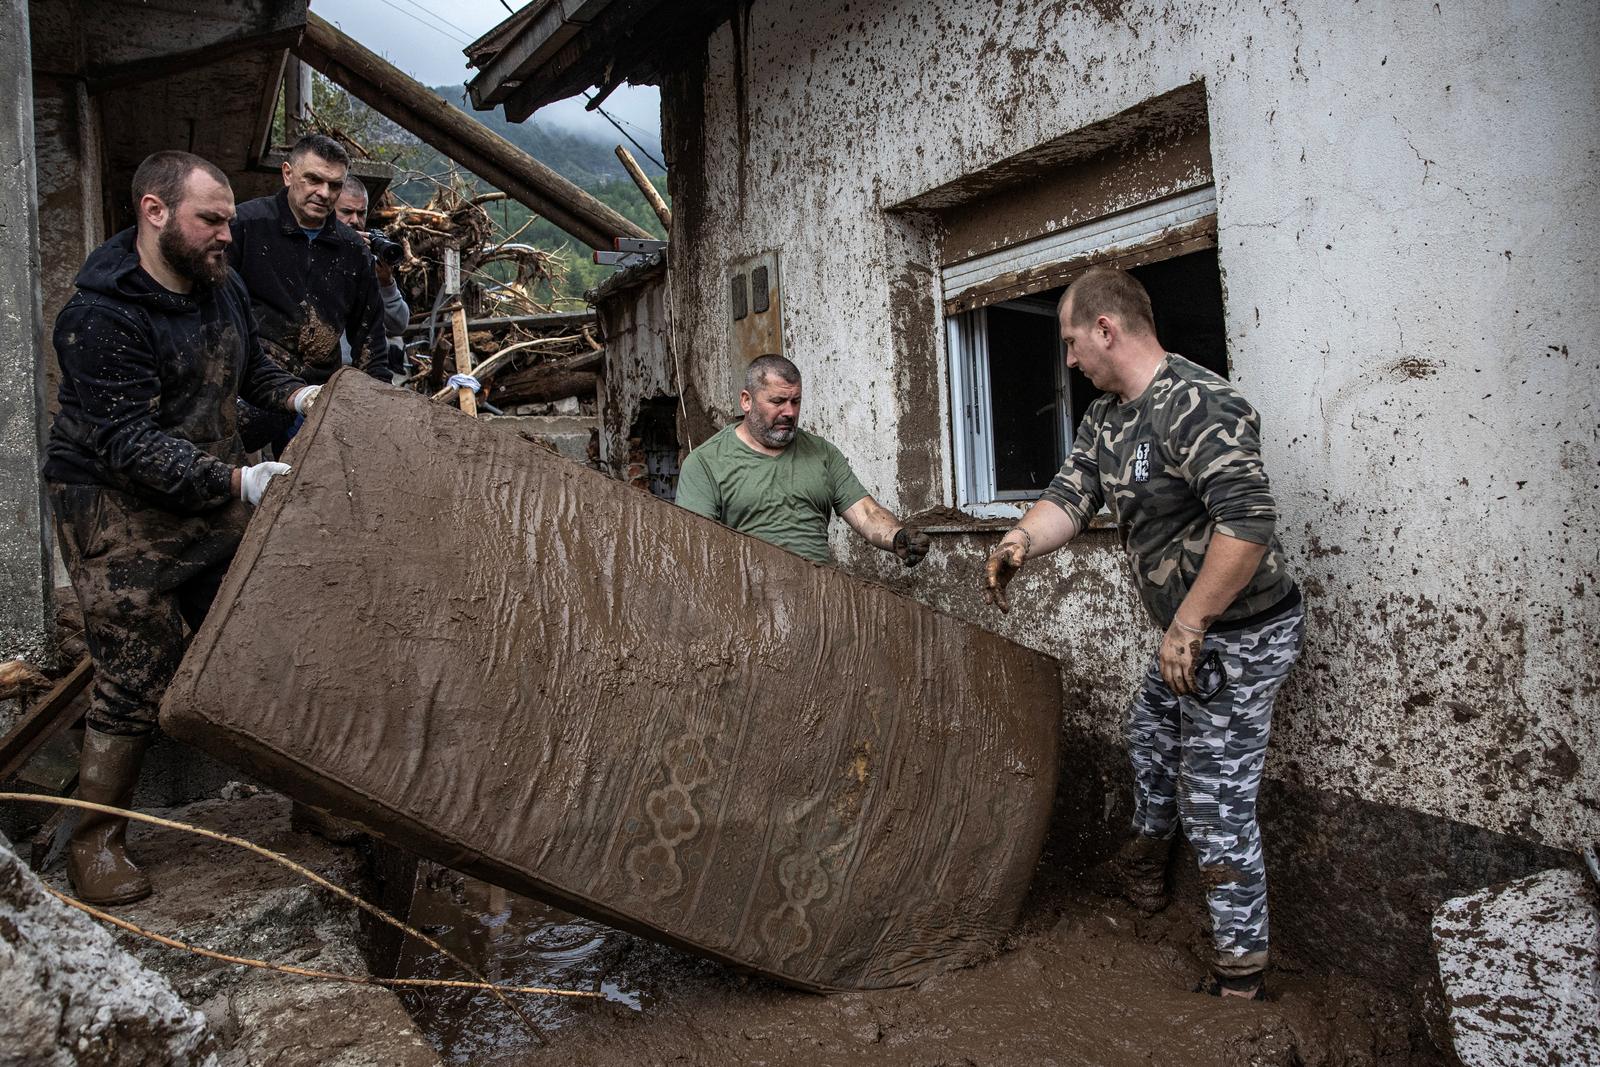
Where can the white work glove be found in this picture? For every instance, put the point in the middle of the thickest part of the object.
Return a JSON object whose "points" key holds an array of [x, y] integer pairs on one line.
{"points": [[465, 381], [304, 398], [253, 480]]}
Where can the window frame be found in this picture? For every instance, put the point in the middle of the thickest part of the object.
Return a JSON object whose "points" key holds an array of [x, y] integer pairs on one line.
{"points": [[972, 399], [1144, 233]]}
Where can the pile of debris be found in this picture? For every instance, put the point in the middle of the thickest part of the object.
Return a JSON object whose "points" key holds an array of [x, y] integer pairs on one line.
{"points": [[523, 350]]}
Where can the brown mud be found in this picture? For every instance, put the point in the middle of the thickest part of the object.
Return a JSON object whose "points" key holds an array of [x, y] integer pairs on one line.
{"points": [[1085, 979]]}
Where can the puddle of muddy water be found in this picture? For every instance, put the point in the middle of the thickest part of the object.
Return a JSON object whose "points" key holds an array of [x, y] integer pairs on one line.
{"points": [[513, 941]]}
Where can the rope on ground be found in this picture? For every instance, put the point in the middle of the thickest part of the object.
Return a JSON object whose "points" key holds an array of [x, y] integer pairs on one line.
{"points": [[312, 876], [305, 972]]}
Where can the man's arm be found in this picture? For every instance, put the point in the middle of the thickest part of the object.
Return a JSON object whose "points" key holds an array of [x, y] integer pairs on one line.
{"points": [[1063, 512], [264, 383], [1217, 444], [369, 349], [878, 527], [1228, 567], [396, 312]]}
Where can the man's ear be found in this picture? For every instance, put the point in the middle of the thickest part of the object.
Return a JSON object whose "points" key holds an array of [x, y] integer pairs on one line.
{"points": [[287, 171], [153, 210], [1109, 325], [745, 401]]}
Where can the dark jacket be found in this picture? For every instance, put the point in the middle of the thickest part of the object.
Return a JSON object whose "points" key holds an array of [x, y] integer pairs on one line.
{"points": [[149, 379], [305, 294]]}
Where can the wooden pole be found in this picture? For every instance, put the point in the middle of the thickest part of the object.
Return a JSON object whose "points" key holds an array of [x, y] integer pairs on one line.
{"points": [[458, 322], [649, 190], [460, 137]]}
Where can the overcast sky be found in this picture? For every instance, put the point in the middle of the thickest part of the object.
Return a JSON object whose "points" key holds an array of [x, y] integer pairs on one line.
{"points": [[424, 38]]}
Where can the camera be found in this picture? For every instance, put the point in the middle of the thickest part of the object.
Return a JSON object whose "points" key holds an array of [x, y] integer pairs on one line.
{"points": [[390, 252]]}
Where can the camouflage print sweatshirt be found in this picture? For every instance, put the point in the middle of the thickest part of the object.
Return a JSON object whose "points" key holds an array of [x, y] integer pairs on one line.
{"points": [[1175, 465]]}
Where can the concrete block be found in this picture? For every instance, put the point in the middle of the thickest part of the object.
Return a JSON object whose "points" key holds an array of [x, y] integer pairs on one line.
{"points": [[1520, 967], [72, 996]]}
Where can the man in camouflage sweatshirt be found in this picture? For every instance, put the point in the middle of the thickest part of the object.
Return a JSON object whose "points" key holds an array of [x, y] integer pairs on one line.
{"points": [[1173, 452]]}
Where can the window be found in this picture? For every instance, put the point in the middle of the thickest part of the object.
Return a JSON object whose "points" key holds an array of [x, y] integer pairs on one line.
{"points": [[1015, 404]]}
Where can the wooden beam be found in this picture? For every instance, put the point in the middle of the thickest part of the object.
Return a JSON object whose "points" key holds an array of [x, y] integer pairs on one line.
{"points": [[460, 137], [653, 198], [44, 720]]}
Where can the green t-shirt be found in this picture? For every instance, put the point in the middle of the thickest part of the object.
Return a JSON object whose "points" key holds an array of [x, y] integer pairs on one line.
{"points": [[787, 499]]}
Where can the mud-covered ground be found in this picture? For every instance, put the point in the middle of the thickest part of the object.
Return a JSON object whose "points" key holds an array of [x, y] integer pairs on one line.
{"points": [[1084, 980]]}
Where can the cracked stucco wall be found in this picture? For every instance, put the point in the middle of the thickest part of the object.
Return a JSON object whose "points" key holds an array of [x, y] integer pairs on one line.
{"points": [[1408, 228], [24, 562]]}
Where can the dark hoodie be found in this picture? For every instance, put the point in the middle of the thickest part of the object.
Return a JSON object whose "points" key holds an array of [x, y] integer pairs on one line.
{"points": [[149, 379], [305, 293]]}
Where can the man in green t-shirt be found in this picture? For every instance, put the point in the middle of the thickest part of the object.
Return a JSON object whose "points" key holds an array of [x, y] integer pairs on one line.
{"points": [[1174, 452], [766, 477]]}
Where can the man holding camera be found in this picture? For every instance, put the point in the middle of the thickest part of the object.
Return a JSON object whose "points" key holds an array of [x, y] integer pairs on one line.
{"points": [[1174, 452], [351, 208], [310, 278]]}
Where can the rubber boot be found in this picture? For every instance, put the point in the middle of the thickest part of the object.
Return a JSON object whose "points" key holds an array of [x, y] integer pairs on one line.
{"points": [[305, 819], [1142, 871], [97, 856]]}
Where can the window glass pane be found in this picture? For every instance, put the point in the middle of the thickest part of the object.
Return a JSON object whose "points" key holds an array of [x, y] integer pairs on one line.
{"points": [[1023, 351]]}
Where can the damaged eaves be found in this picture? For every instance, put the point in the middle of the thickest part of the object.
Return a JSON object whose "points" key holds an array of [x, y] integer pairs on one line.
{"points": [[554, 49]]}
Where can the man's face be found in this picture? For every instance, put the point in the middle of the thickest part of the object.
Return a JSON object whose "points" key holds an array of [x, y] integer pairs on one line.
{"points": [[314, 184], [351, 208], [194, 235], [1088, 347], [772, 414]]}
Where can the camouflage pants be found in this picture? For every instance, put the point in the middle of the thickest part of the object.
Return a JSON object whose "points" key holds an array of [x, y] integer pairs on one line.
{"points": [[140, 573], [1200, 764]]}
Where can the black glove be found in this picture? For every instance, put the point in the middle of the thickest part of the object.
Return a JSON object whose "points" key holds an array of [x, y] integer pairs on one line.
{"points": [[911, 545]]}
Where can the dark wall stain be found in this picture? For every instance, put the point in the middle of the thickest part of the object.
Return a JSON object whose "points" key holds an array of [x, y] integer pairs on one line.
{"points": [[912, 320]]}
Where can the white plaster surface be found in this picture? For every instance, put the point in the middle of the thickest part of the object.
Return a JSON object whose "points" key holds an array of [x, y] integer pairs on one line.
{"points": [[1520, 966], [1409, 213]]}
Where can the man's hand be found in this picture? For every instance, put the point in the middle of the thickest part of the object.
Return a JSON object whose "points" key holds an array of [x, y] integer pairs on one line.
{"points": [[1004, 562], [303, 399], [910, 545], [253, 480], [1180, 651]]}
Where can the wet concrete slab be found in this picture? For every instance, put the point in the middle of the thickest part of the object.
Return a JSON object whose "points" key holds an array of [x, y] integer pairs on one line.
{"points": [[1520, 967]]}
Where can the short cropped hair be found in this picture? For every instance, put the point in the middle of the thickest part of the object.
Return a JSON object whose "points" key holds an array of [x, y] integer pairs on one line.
{"points": [[352, 184], [1108, 291], [320, 145], [755, 375], [165, 175]]}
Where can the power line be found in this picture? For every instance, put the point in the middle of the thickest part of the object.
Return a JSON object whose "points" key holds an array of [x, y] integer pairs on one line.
{"points": [[440, 19], [642, 149], [427, 25]]}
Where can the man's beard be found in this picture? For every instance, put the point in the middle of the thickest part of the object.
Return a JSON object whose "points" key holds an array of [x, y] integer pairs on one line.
{"points": [[769, 434], [191, 261]]}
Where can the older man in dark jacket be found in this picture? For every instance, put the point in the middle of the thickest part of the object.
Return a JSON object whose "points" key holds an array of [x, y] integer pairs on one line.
{"points": [[310, 277], [146, 473]]}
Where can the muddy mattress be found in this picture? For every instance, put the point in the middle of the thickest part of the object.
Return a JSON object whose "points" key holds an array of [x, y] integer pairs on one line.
{"points": [[537, 675]]}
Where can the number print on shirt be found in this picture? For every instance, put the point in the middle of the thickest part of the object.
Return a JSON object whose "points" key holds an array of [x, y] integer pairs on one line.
{"points": [[1141, 462]]}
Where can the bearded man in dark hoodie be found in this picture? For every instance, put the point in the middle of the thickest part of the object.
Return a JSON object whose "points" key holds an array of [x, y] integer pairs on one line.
{"points": [[146, 474]]}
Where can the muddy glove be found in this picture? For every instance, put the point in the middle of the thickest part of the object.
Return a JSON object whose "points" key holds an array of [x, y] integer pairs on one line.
{"points": [[303, 399], [910, 545], [1004, 562], [253, 480]]}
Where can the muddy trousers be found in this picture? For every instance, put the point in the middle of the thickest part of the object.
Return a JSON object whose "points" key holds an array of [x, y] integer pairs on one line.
{"points": [[1199, 765], [141, 574]]}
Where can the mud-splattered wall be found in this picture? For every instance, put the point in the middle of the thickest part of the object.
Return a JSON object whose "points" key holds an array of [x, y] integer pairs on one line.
{"points": [[1408, 218]]}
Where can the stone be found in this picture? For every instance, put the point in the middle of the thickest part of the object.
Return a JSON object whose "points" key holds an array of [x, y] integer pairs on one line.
{"points": [[1520, 967], [220, 897], [73, 997]]}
